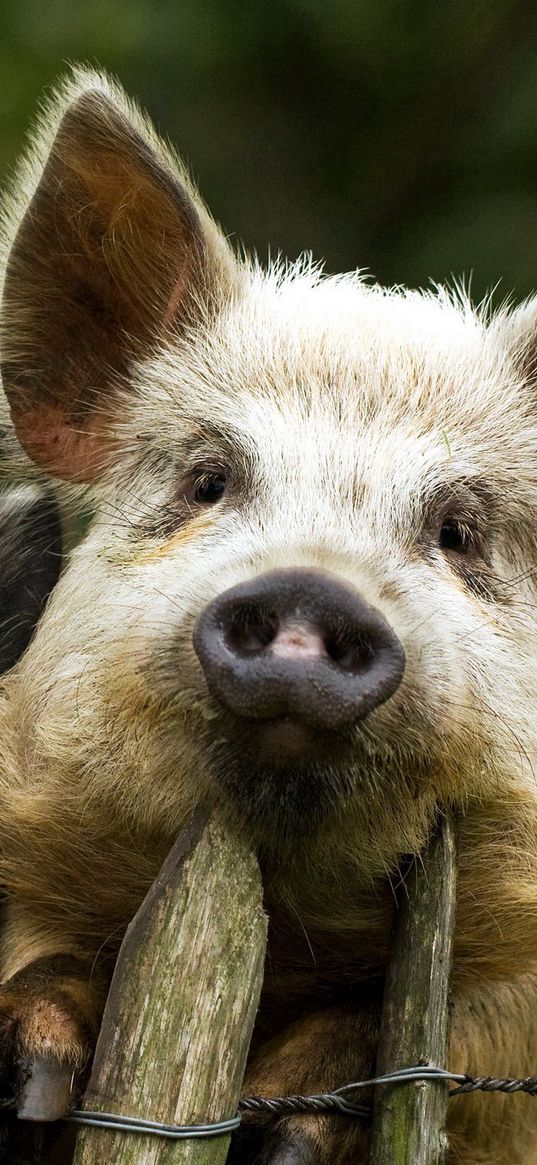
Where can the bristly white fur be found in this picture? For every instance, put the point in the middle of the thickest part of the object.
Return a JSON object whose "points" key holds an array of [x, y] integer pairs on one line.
{"points": [[351, 420]]}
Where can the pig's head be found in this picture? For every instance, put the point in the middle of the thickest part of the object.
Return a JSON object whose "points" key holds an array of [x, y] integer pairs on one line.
{"points": [[309, 583]]}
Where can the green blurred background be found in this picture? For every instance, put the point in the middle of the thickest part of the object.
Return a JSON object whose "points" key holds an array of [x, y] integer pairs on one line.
{"points": [[388, 134]]}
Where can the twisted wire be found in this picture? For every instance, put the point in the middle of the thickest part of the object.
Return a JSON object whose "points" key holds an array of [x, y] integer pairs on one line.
{"points": [[341, 1101]]}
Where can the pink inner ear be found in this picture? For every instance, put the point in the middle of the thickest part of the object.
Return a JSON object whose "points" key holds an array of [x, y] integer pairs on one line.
{"points": [[74, 451]]}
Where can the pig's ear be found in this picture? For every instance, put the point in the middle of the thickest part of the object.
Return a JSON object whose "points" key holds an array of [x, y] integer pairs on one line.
{"points": [[516, 331], [30, 563], [113, 251]]}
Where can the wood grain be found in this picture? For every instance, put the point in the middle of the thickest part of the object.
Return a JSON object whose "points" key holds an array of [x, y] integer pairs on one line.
{"points": [[409, 1119], [182, 1003]]}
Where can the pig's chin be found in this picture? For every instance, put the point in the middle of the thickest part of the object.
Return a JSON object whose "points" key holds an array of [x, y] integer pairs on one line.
{"points": [[284, 777]]}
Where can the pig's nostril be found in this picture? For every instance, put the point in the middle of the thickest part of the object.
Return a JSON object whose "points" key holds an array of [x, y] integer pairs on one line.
{"points": [[251, 630], [351, 652]]}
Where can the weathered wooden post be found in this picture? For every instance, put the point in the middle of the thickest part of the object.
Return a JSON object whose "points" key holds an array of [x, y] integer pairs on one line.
{"points": [[182, 1003], [409, 1119]]}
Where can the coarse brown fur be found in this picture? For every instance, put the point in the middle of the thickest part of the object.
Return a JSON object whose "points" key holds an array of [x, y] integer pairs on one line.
{"points": [[140, 355]]}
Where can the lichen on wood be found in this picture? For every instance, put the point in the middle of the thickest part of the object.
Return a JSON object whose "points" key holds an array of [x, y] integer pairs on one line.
{"points": [[182, 1003], [409, 1119]]}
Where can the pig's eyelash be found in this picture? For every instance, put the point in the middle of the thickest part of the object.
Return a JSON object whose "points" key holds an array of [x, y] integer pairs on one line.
{"points": [[469, 505], [457, 535]]}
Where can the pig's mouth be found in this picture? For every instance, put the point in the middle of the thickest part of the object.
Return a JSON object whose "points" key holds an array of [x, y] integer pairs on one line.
{"points": [[280, 741], [284, 777], [284, 739]]}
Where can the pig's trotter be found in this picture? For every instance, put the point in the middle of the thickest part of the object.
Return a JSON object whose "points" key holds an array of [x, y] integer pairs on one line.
{"points": [[47, 1089], [48, 1018]]}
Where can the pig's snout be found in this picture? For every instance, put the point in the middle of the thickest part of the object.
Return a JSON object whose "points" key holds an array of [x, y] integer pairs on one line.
{"points": [[299, 645]]}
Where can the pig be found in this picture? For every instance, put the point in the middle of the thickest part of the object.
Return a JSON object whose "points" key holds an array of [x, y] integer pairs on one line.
{"points": [[30, 564], [306, 600], [31, 543]]}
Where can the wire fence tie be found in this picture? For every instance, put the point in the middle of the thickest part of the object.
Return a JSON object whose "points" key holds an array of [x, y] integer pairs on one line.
{"points": [[338, 1101]]}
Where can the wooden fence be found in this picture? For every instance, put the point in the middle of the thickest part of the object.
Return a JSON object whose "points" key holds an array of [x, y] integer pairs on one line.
{"points": [[183, 999]]}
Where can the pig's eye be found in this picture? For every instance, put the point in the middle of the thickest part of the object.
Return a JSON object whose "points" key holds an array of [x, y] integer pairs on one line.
{"points": [[455, 535], [210, 488]]}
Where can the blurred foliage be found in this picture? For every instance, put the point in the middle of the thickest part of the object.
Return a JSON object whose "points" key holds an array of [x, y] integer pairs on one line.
{"points": [[397, 135]]}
